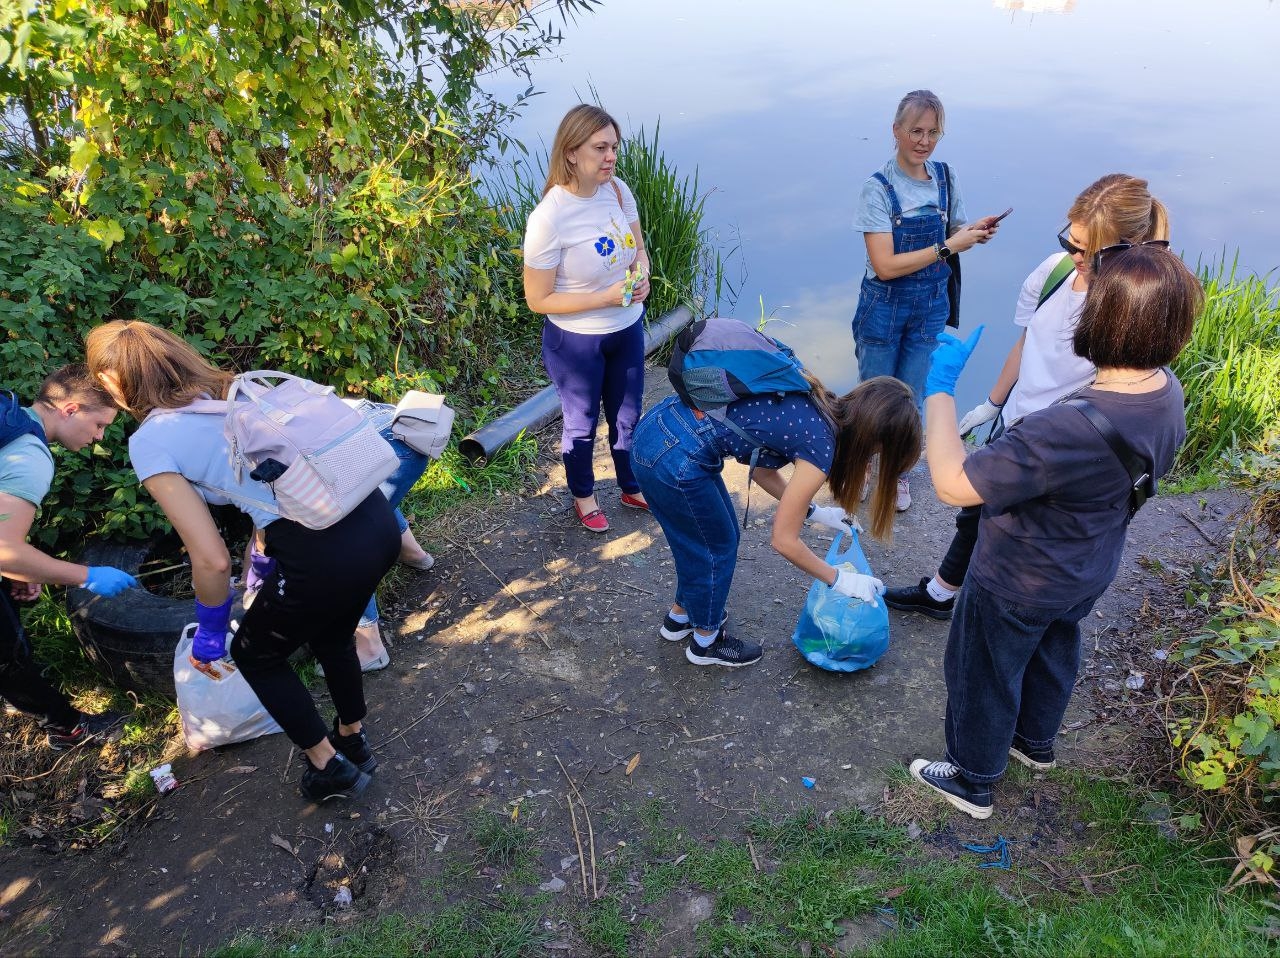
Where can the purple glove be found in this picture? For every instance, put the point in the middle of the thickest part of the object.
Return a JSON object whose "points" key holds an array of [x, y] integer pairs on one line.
{"points": [[212, 623], [259, 568]]}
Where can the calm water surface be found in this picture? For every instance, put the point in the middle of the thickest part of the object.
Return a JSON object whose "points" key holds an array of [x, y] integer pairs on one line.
{"points": [[785, 108]]}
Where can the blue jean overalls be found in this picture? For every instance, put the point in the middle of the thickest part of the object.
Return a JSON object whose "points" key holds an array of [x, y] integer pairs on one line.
{"points": [[897, 322]]}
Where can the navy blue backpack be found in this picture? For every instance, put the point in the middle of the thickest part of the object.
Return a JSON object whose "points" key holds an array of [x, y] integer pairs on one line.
{"points": [[14, 422], [717, 361]]}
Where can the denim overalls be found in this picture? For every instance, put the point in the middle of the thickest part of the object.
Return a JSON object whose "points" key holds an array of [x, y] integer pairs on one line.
{"points": [[897, 322]]}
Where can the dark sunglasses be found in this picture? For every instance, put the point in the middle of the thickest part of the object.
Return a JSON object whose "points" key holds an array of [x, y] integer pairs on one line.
{"points": [[1065, 242], [1108, 253]]}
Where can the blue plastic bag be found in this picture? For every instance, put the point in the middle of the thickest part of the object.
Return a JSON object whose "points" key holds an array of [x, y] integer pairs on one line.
{"points": [[837, 632]]}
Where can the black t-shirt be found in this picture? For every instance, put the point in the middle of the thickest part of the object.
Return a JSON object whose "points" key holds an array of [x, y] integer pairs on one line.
{"points": [[789, 425], [1055, 496]]}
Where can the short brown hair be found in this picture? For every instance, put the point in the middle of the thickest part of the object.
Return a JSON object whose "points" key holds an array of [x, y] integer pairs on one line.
{"points": [[1139, 313], [154, 368], [877, 417], [575, 129], [73, 383]]}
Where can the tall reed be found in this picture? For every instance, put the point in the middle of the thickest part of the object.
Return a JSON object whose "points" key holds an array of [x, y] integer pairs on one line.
{"points": [[1230, 370], [688, 266]]}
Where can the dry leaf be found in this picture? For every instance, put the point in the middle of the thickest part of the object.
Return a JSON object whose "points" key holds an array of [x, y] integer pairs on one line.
{"points": [[893, 893], [282, 843], [631, 765], [241, 770]]}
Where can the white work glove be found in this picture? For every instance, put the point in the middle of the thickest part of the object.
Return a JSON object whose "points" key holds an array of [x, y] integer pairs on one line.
{"points": [[858, 586], [982, 413], [833, 517]]}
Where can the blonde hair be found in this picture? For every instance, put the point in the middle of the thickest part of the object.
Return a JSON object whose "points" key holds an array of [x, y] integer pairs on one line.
{"points": [[1115, 208], [153, 368], [574, 130], [876, 418], [915, 103]]}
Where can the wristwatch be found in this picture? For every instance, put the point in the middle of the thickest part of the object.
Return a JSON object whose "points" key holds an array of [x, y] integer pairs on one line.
{"points": [[944, 251]]}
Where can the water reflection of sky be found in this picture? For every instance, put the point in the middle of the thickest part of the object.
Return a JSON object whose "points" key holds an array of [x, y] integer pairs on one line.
{"points": [[785, 108]]}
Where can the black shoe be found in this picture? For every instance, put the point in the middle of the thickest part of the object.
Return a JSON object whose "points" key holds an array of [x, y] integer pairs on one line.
{"points": [[674, 631], [725, 650], [1039, 759], [355, 747], [916, 598], [90, 728], [949, 782], [338, 779]]}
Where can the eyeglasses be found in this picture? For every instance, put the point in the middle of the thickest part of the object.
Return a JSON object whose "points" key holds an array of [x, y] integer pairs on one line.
{"points": [[1064, 240], [918, 135], [1108, 253]]}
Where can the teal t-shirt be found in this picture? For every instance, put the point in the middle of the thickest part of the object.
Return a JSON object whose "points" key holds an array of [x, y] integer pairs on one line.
{"points": [[26, 467]]}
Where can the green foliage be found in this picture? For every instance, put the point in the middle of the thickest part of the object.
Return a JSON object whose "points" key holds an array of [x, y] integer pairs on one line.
{"points": [[1230, 370], [285, 183]]}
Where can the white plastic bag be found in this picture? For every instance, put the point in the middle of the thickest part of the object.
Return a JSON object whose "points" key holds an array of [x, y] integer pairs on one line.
{"points": [[215, 712]]}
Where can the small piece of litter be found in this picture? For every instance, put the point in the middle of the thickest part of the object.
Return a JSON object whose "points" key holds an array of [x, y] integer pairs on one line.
{"points": [[343, 898], [808, 782]]}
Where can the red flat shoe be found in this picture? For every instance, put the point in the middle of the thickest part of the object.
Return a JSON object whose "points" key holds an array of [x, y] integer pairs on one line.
{"points": [[634, 502], [594, 520]]}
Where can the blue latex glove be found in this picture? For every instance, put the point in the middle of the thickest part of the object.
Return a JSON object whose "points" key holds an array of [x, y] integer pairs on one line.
{"points": [[212, 622], [108, 580], [947, 362]]}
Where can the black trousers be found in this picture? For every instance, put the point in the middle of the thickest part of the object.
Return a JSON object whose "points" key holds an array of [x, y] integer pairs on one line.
{"points": [[22, 683], [956, 562], [321, 582]]}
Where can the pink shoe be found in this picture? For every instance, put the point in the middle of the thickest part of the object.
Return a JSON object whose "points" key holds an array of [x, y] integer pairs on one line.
{"points": [[904, 494], [594, 520]]}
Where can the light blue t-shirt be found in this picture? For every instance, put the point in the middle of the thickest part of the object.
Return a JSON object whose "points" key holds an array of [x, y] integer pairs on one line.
{"points": [[916, 197], [26, 467], [192, 444]]}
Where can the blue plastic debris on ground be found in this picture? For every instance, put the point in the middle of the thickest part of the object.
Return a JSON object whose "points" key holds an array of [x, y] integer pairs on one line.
{"points": [[1001, 848]]}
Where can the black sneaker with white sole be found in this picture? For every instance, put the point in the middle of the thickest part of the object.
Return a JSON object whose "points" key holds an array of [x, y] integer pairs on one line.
{"points": [[355, 747], [949, 782], [90, 728], [725, 650], [674, 631], [1038, 759], [338, 779], [916, 598]]}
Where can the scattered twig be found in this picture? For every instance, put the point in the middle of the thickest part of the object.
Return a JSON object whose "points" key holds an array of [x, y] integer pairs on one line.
{"points": [[530, 718], [1200, 529], [577, 837], [506, 588], [591, 835], [168, 568], [425, 715], [752, 848], [284, 772], [630, 585], [706, 738], [133, 814]]}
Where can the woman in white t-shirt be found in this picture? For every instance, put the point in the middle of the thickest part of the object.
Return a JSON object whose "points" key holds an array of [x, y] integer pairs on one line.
{"points": [[580, 245], [1042, 366]]}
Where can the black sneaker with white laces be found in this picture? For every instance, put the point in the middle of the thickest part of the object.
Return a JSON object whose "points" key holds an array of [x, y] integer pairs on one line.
{"points": [[949, 782], [916, 598], [90, 728], [725, 650], [338, 779], [355, 747], [674, 631], [1036, 758]]}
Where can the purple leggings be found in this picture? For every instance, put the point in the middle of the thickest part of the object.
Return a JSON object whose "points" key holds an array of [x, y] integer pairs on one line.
{"points": [[587, 369]]}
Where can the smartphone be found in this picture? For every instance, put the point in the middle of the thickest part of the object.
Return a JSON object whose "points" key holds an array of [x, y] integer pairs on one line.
{"points": [[1001, 216]]}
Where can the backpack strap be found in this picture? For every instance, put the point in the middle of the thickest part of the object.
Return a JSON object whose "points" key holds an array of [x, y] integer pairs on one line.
{"points": [[721, 415], [1057, 276], [945, 190], [1139, 470], [617, 191], [14, 422]]}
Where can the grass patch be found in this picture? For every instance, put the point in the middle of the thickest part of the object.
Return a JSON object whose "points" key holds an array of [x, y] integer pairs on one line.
{"points": [[1230, 371]]}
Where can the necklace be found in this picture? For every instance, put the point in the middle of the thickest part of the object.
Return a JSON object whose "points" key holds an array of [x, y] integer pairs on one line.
{"points": [[1127, 382]]}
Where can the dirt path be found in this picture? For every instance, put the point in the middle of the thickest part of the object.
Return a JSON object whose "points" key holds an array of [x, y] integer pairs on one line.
{"points": [[533, 641]]}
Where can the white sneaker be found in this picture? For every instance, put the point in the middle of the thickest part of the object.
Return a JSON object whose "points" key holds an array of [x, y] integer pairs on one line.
{"points": [[904, 494]]}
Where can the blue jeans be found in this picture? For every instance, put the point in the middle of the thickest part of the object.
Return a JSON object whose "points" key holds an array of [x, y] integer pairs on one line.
{"points": [[896, 327], [395, 488], [586, 370], [1009, 670], [678, 465]]}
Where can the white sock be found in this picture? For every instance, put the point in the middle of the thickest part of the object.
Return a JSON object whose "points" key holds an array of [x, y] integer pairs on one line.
{"points": [[939, 592], [681, 617], [705, 641]]}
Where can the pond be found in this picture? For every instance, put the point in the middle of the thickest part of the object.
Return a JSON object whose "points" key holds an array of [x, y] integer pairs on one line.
{"points": [[785, 109]]}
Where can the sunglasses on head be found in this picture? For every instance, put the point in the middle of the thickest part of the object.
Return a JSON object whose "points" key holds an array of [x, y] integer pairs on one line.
{"points": [[1107, 253]]}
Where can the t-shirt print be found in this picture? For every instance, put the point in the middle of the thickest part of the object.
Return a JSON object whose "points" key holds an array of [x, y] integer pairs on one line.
{"points": [[615, 238]]}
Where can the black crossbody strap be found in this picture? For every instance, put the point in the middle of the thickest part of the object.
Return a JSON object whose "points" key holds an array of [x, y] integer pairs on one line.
{"points": [[755, 454], [1139, 470]]}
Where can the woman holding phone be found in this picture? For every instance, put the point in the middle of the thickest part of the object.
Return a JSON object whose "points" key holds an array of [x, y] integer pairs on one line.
{"points": [[580, 245], [912, 218]]}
